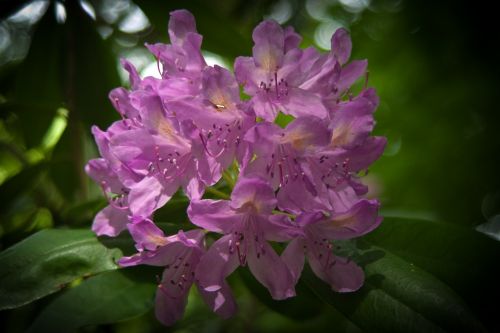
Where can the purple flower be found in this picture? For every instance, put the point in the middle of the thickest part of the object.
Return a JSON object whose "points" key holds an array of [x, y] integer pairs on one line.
{"points": [[247, 224], [182, 58], [179, 255], [166, 152], [313, 167], [342, 274], [114, 180], [274, 75], [217, 111], [280, 155], [329, 75], [186, 129]]}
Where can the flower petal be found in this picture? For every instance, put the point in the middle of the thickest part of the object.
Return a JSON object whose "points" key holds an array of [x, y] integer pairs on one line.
{"points": [[279, 228], [147, 235], [169, 309], [270, 270], [296, 196], [304, 103], [220, 87], [364, 155], [148, 195], [181, 23], [247, 74], [134, 78], [213, 215], [306, 132], [215, 265], [350, 73], [269, 45], [119, 97], [292, 39], [110, 221], [254, 194], [343, 274], [359, 220], [222, 301], [341, 45], [353, 122], [293, 257]]}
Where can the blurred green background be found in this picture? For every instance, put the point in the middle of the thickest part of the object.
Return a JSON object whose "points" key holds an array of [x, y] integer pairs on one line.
{"points": [[433, 64]]}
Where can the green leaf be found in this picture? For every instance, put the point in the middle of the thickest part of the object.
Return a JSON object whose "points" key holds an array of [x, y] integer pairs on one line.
{"points": [[175, 211], [90, 70], [48, 260], [37, 90], [208, 23], [398, 297], [460, 257], [303, 306], [105, 298], [21, 183], [282, 120]]}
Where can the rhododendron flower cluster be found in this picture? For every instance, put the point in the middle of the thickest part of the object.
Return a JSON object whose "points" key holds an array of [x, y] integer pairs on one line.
{"points": [[298, 185]]}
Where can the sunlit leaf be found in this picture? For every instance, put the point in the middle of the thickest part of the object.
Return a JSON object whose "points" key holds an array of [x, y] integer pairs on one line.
{"points": [[46, 261]]}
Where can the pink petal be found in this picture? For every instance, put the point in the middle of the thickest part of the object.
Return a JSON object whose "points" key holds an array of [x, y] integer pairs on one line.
{"points": [[292, 39], [110, 221], [269, 45], [304, 103], [215, 265], [350, 73], [213, 215], [342, 274], [245, 72], [359, 220], [221, 301], [270, 270], [169, 309], [181, 23], [254, 194], [293, 257], [341, 45], [134, 78], [148, 195], [147, 235]]}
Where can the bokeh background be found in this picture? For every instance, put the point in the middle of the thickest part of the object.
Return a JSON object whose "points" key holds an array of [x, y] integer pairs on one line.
{"points": [[434, 65]]}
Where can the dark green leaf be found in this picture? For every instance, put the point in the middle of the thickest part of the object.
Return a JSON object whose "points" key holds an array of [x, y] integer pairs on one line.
{"points": [[90, 70], [175, 211], [37, 90], [398, 297], [48, 260], [212, 23], [304, 306], [105, 298], [23, 182], [460, 257], [38, 81]]}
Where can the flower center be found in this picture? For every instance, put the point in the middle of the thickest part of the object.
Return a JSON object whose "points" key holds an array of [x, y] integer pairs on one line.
{"points": [[273, 86], [333, 174]]}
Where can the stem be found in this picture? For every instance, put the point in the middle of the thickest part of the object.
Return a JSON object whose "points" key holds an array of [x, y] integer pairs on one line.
{"points": [[284, 213], [229, 180], [74, 119], [217, 193]]}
